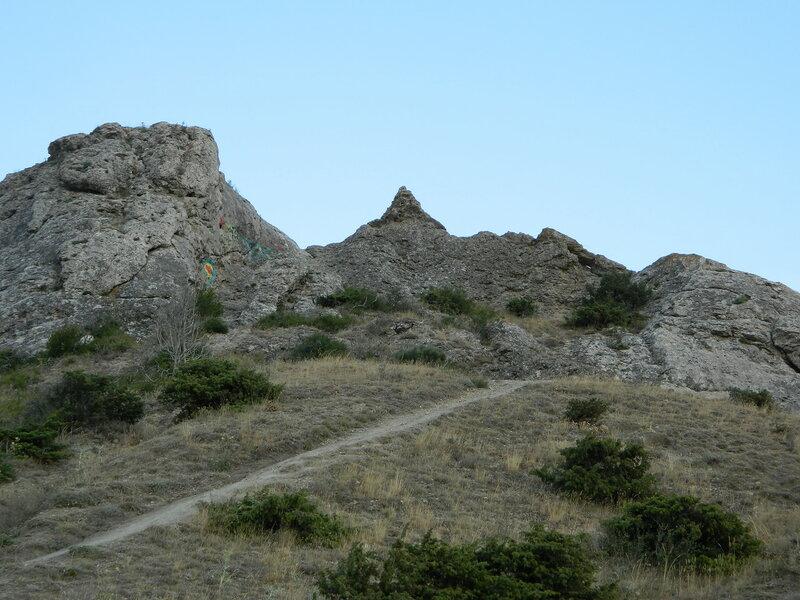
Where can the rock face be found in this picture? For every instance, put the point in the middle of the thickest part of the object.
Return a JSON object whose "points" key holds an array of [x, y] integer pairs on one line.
{"points": [[709, 328], [406, 252], [115, 222], [118, 220]]}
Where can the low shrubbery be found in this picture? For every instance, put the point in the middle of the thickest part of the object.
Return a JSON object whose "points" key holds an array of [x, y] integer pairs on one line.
{"points": [[106, 336], [354, 299], [209, 310], [681, 531], [318, 346], [455, 302], [452, 301], [601, 470], [325, 322], [586, 410], [522, 306], [215, 325], [85, 400], [544, 564], [10, 360], [66, 340], [211, 383], [616, 300], [761, 399], [6, 471], [34, 440], [422, 354], [265, 512]]}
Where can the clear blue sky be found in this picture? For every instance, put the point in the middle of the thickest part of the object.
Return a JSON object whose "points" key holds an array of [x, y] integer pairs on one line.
{"points": [[639, 128]]}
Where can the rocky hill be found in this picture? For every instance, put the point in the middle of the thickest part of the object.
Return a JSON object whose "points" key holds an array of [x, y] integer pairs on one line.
{"points": [[115, 222]]}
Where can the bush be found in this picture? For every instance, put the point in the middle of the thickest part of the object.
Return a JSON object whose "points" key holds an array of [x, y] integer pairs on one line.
{"points": [[10, 360], [66, 340], [684, 532], [34, 440], [324, 322], [207, 304], [452, 301], [586, 410], [6, 471], [615, 301], [215, 325], [523, 306], [544, 564], [211, 383], [601, 470], [264, 512], [422, 354], [108, 337], [762, 399], [318, 346], [86, 400], [354, 298]]}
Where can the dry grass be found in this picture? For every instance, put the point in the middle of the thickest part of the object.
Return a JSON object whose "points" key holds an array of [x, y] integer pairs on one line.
{"points": [[107, 480], [468, 477]]}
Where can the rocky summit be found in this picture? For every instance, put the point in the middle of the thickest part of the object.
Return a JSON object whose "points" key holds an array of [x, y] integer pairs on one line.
{"points": [[116, 222]]}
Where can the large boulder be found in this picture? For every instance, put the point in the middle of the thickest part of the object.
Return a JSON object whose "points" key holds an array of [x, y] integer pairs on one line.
{"points": [[709, 328], [118, 220]]}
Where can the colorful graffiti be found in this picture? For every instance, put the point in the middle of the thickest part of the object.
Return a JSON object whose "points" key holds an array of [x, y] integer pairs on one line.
{"points": [[209, 267], [255, 251]]}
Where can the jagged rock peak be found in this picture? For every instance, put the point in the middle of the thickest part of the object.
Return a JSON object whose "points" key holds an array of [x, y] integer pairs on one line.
{"points": [[405, 207]]}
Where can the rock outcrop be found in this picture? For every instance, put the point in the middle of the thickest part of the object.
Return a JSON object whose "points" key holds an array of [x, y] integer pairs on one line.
{"points": [[118, 220], [406, 251], [115, 222]]}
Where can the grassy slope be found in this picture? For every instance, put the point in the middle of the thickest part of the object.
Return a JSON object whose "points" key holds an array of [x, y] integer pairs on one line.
{"points": [[465, 477]]}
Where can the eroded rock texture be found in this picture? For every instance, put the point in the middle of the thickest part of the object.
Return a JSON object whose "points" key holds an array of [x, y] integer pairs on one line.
{"points": [[119, 219], [116, 221]]}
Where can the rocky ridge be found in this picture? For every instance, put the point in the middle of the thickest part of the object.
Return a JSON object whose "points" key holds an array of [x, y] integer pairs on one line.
{"points": [[115, 222]]}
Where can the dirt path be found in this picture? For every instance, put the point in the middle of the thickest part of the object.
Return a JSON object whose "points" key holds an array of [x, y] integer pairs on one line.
{"points": [[288, 469]]}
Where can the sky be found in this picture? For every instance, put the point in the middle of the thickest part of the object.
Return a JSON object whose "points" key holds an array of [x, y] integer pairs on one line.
{"points": [[638, 128]]}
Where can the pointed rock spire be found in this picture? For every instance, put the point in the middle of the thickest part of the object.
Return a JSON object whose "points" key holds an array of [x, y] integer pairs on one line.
{"points": [[405, 207]]}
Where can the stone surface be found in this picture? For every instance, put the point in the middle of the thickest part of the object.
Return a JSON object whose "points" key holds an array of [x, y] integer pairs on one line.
{"points": [[406, 251], [116, 221]]}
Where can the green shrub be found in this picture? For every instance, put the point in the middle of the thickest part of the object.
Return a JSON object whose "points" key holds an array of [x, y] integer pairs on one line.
{"points": [[586, 410], [762, 399], [544, 564], [615, 301], [264, 512], [10, 360], [422, 354], [19, 378], [354, 298], [207, 304], [741, 299], [212, 383], [6, 471], [452, 301], [86, 400], [601, 470], [108, 337], [65, 340], [522, 306], [681, 531], [325, 322], [318, 346], [215, 325], [34, 440], [479, 381]]}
